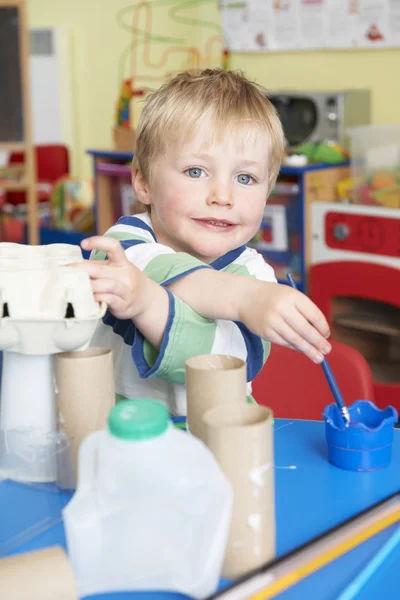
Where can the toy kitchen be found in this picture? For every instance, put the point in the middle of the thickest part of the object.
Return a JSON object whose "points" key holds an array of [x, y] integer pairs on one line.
{"points": [[354, 273]]}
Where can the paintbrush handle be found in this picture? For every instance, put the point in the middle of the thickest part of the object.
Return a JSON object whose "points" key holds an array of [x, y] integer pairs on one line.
{"points": [[328, 374], [332, 384]]}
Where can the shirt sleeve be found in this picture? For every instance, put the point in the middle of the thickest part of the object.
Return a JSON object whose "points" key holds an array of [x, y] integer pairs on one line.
{"points": [[160, 263]]}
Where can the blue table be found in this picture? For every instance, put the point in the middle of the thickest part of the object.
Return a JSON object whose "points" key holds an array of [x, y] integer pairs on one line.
{"points": [[311, 497]]}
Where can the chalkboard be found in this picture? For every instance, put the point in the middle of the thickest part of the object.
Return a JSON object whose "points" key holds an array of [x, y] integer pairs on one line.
{"points": [[11, 99]]}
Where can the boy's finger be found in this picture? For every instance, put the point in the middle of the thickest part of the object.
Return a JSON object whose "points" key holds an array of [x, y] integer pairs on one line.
{"points": [[112, 286], [110, 246], [115, 303], [275, 338], [313, 315], [82, 264], [294, 339], [308, 332], [97, 269]]}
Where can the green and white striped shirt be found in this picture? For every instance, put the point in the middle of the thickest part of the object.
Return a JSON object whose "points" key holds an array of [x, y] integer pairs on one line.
{"points": [[140, 370]]}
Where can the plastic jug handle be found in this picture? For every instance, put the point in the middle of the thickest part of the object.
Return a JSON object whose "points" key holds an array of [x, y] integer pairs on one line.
{"points": [[87, 461]]}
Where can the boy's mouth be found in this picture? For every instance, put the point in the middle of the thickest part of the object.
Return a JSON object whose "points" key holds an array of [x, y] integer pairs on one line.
{"points": [[219, 224]]}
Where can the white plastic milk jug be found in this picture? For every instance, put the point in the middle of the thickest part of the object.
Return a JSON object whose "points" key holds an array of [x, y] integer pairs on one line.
{"points": [[152, 507]]}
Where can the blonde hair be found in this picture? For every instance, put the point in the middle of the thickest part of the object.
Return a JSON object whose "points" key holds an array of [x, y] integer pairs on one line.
{"points": [[174, 111]]}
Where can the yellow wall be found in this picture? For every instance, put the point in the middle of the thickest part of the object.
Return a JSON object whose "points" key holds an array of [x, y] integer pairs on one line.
{"points": [[98, 44], [347, 69]]}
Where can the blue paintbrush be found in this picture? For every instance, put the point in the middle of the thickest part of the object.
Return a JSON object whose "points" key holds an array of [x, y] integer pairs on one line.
{"points": [[329, 376]]}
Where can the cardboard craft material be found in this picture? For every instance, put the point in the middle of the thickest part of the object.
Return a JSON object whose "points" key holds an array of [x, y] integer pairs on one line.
{"points": [[45, 305], [85, 393], [211, 380], [42, 575], [241, 439], [36, 282]]}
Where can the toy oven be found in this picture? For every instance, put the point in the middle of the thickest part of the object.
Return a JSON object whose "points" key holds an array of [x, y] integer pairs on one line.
{"points": [[355, 280]]}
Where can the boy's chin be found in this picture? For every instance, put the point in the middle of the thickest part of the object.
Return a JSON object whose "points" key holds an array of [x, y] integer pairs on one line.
{"points": [[210, 252]]}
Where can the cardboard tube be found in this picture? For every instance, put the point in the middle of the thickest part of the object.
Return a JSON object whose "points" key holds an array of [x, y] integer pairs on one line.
{"points": [[85, 393], [241, 439], [211, 380], [42, 575]]}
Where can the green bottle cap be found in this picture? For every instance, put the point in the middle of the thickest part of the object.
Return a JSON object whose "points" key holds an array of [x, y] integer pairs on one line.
{"points": [[139, 419]]}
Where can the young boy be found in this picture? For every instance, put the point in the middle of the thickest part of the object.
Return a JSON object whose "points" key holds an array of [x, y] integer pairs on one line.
{"points": [[179, 280]]}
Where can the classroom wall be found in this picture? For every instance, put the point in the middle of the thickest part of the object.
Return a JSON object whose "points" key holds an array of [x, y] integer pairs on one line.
{"points": [[99, 44], [374, 70], [330, 69], [101, 50]]}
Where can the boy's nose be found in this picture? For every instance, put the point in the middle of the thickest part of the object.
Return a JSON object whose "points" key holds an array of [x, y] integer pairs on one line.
{"points": [[220, 194]]}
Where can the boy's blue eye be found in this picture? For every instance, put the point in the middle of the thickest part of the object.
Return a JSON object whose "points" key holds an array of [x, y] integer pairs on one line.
{"points": [[244, 179], [195, 172]]}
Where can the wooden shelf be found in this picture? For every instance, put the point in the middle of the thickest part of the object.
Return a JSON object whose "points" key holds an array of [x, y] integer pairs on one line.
{"points": [[384, 323], [13, 186], [15, 117], [12, 146], [388, 372]]}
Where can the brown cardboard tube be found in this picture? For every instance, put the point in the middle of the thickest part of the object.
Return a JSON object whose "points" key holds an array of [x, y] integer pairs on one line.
{"points": [[241, 439], [42, 575], [85, 393], [212, 379]]}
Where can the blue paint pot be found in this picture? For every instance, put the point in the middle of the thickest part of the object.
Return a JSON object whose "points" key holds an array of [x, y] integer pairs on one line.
{"points": [[365, 444]]}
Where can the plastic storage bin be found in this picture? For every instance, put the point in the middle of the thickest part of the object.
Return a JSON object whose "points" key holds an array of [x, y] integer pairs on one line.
{"points": [[152, 508], [375, 163]]}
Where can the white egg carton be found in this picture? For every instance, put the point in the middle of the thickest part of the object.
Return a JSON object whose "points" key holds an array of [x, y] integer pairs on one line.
{"points": [[45, 306]]}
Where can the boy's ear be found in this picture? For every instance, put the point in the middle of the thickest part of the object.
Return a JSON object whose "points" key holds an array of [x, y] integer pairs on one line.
{"points": [[140, 187]]}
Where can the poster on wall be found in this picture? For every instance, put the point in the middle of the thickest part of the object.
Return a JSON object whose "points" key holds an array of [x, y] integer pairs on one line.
{"points": [[278, 25]]}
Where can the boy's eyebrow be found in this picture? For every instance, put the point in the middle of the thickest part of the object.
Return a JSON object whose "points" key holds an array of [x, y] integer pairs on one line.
{"points": [[250, 163], [246, 163], [200, 155]]}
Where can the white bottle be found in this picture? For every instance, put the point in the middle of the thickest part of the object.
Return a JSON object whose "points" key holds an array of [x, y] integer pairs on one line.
{"points": [[152, 507]]}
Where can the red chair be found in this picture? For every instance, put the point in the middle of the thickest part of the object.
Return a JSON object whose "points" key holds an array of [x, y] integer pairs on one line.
{"points": [[296, 388], [52, 163]]}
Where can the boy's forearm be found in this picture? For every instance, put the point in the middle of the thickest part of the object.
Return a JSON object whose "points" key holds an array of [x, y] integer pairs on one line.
{"points": [[216, 295], [212, 294], [152, 306]]}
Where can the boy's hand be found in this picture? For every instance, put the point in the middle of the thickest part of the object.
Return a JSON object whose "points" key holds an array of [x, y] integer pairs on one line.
{"points": [[128, 293], [286, 317], [114, 281]]}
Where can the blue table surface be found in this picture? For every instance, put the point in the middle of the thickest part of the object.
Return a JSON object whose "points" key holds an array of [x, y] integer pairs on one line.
{"points": [[311, 497]]}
